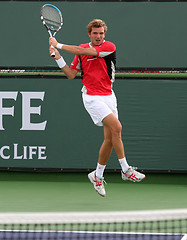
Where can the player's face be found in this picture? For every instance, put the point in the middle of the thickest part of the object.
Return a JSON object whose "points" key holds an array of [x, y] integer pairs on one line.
{"points": [[97, 36]]}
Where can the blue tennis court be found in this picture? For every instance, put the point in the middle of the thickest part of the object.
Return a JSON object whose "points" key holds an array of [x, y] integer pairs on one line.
{"points": [[44, 235]]}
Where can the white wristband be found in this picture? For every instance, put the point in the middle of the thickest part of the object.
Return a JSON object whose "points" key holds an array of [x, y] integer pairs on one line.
{"points": [[59, 45], [61, 63]]}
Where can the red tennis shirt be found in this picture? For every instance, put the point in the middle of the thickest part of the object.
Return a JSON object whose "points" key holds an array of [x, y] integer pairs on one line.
{"points": [[98, 73]]}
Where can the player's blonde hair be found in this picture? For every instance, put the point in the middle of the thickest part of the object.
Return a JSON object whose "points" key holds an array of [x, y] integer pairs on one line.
{"points": [[96, 23]]}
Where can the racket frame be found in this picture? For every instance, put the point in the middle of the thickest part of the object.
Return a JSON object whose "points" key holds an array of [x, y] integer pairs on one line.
{"points": [[51, 32]]}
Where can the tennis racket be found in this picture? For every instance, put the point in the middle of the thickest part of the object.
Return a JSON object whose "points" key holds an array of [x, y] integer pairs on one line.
{"points": [[52, 19]]}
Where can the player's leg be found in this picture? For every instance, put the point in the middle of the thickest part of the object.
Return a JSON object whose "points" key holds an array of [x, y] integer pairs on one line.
{"points": [[106, 147], [104, 152], [96, 177], [114, 126], [128, 173]]}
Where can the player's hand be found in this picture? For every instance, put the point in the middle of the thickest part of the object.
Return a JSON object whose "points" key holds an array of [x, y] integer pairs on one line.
{"points": [[57, 54], [53, 41]]}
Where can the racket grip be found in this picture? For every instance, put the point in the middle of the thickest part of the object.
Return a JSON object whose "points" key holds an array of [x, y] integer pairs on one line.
{"points": [[53, 53]]}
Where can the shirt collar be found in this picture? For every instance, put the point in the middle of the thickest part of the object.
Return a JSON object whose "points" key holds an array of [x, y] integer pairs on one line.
{"points": [[92, 46]]}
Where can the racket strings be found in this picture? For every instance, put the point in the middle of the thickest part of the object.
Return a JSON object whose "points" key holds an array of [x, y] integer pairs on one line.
{"points": [[51, 17]]}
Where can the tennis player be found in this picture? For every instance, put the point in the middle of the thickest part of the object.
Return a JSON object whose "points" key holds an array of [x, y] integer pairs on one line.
{"points": [[97, 60]]}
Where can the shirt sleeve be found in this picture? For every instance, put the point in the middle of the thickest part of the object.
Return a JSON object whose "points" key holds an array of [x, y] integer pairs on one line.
{"points": [[76, 63], [105, 49]]}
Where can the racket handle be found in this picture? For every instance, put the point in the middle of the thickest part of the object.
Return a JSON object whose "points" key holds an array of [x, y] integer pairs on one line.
{"points": [[53, 53]]}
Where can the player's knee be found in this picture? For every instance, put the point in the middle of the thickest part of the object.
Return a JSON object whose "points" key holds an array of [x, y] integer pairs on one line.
{"points": [[117, 128], [108, 140]]}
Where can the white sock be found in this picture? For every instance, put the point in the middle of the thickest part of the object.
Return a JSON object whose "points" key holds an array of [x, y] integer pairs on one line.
{"points": [[100, 170], [124, 164]]}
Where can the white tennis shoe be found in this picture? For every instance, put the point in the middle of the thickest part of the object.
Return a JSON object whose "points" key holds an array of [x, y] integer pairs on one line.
{"points": [[132, 175], [98, 183]]}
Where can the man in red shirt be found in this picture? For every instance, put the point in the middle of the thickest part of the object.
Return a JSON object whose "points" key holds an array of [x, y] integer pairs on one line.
{"points": [[97, 61]]}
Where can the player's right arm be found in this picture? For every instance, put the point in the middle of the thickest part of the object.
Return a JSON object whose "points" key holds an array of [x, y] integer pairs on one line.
{"points": [[69, 72], [80, 51]]}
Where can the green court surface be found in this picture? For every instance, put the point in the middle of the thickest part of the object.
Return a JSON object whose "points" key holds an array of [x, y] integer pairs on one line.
{"points": [[59, 192]]}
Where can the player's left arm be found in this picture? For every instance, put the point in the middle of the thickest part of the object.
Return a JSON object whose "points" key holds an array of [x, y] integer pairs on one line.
{"points": [[69, 72]]}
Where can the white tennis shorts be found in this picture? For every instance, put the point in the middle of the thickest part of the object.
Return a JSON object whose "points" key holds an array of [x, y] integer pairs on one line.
{"points": [[99, 107]]}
